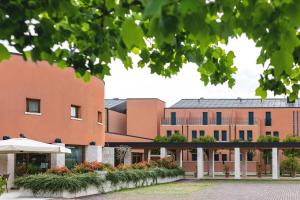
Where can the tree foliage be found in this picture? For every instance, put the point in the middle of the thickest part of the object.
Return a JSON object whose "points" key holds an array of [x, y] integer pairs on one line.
{"points": [[292, 153], [88, 34], [176, 137]]}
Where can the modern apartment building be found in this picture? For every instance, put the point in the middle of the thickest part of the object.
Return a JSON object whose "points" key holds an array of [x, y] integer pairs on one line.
{"points": [[48, 104], [230, 120]]}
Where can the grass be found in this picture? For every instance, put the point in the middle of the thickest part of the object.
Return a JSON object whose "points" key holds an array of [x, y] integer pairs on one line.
{"points": [[177, 188]]}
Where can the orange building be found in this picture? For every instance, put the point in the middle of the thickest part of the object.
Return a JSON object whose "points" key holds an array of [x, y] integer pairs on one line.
{"points": [[48, 104]]}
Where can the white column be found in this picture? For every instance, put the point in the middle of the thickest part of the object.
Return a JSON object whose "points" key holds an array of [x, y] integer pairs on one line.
{"points": [[7, 166], [179, 157], [93, 153], [275, 165], [128, 157], [244, 164], [211, 168], [108, 155], [149, 155], [200, 163], [237, 163], [58, 159], [163, 152]]}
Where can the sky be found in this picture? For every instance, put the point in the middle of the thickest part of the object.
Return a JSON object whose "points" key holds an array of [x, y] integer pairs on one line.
{"points": [[140, 83]]}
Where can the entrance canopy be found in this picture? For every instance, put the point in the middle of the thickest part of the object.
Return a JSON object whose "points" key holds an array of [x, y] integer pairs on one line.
{"points": [[24, 145]]}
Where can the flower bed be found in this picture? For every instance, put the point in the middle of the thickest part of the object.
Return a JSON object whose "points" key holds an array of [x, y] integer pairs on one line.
{"points": [[63, 183]]}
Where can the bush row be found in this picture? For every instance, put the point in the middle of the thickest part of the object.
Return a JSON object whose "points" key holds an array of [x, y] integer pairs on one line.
{"points": [[74, 182]]}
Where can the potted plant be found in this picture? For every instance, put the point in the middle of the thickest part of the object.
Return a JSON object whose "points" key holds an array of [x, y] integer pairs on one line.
{"points": [[258, 170], [226, 170]]}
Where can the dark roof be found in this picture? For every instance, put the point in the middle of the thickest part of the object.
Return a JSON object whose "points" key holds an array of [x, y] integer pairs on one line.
{"points": [[118, 105], [236, 103]]}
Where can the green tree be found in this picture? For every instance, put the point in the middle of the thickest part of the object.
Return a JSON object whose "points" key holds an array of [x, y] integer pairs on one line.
{"points": [[165, 34], [292, 153], [176, 137]]}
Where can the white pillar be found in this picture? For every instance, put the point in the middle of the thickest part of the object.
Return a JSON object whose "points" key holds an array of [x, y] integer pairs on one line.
{"points": [[244, 163], [237, 163], [275, 165], [108, 155], [179, 157], [128, 157], [58, 159], [93, 153], [163, 152], [211, 160], [200, 163], [149, 155], [7, 166]]}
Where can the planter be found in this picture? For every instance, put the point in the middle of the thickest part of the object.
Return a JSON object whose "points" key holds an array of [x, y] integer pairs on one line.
{"points": [[293, 173], [227, 174], [106, 187]]}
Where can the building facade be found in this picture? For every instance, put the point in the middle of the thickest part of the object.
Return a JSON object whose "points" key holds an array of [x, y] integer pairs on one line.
{"points": [[48, 104]]}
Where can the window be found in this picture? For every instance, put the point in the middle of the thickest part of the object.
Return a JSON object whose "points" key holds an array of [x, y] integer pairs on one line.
{"points": [[99, 117], [202, 133], [224, 136], [137, 157], [268, 133], [249, 135], [242, 135], [33, 105], [75, 157], [75, 111], [173, 118], [204, 118], [216, 135], [194, 155], [268, 119], [276, 134], [250, 118], [169, 133], [219, 118], [224, 157], [194, 134], [216, 157], [250, 156]]}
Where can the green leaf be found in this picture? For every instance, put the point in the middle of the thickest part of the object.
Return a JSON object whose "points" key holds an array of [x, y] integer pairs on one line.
{"points": [[261, 92], [4, 54], [153, 8], [132, 34], [110, 4], [187, 6], [282, 61]]}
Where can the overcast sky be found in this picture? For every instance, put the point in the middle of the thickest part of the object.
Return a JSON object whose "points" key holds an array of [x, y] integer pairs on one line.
{"points": [[140, 83]]}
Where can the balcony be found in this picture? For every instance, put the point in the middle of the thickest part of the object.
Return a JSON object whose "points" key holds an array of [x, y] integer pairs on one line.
{"points": [[199, 121]]}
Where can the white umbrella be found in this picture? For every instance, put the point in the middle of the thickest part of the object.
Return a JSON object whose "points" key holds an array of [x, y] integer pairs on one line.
{"points": [[24, 145]]}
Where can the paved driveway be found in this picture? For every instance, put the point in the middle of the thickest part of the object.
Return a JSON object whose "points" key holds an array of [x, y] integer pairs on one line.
{"points": [[207, 190]]}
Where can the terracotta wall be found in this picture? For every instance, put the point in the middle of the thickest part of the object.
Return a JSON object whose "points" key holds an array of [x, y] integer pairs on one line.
{"points": [[143, 117], [57, 89], [110, 137], [117, 122]]}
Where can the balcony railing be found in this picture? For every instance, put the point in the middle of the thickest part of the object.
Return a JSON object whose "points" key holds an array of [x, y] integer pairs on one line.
{"points": [[199, 121]]}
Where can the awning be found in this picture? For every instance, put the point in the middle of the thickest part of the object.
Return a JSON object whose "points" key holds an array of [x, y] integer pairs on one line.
{"points": [[24, 145]]}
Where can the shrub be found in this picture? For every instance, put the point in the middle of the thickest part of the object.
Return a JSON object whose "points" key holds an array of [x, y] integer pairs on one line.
{"points": [[205, 139], [86, 167], [54, 183], [162, 139], [176, 137], [59, 170], [291, 153], [2, 186], [168, 163], [289, 166], [141, 165], [267, 138]]}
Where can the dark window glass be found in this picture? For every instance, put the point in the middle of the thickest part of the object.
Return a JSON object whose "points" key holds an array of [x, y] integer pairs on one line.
{"points": [[249, 135], [268, 119], [224, 157], [31, 163], [99, 117], [137, 157], [251, 118], [250, 156], [33, 105], [224, 136], [268, 133], [173, 118], [75, 111], [242, 135], [194, 155], [216, 157], [216, 135], [169, 133], [219, 118], [194, 134], [205, 118], [276, 134], [202, 133], [75, 157]]}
